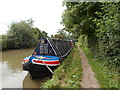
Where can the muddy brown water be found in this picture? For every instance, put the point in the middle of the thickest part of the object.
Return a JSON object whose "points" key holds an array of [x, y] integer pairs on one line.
{"points": [[12, 73]]}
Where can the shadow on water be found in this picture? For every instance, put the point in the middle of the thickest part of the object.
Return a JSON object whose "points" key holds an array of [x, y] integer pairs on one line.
{"points": [[34, 83]]}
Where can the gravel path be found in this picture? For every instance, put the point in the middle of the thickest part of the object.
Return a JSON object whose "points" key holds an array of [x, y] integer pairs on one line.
{"points": [[88, 77]]}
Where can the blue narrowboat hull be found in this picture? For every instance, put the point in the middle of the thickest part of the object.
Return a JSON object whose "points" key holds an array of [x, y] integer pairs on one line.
{"points": [[48, 55], [37, 68]]}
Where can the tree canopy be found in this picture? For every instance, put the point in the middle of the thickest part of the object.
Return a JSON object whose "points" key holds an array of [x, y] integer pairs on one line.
{"points": [[22, 35], [99, 22]]}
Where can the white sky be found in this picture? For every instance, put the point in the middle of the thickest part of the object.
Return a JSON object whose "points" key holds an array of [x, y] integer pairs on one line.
{"points": [[46, 14]]}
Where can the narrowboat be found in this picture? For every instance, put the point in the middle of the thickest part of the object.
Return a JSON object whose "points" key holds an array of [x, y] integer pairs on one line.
{"points": [[47, 56]]}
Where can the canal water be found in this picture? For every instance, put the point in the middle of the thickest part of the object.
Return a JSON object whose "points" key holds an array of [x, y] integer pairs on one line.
{"points": [[12, 73]]}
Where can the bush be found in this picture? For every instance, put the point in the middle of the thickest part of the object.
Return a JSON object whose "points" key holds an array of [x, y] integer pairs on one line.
{"points": [[20, 36], [4, 44], [7, 44], [108, 33]]}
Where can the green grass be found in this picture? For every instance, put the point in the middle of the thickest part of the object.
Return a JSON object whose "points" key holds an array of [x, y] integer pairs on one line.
{"points": [[106, 78], [67, 75]]}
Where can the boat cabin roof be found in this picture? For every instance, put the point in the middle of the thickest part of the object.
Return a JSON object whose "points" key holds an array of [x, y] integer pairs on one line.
{"points": [[54, 47]]}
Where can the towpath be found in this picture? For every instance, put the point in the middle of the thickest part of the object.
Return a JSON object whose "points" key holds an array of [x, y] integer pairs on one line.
{"points": [[88, 77]]}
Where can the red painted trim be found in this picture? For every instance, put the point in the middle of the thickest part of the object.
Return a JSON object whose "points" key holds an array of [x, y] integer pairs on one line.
{"points": [[47, 62], [24, 60], [41, 62]]}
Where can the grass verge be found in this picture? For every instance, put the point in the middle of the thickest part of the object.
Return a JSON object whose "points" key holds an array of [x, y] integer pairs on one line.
{"points": [[67, 75], [106, 78]]}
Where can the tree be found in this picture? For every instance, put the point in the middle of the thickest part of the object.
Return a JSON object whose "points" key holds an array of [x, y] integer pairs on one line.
{"points": [[37, 33], [78, 19], [21, 35], [108, 32], [99, 22], [44, 34]]}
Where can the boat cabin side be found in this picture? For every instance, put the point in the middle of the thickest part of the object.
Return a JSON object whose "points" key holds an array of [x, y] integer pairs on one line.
{"points": [[44, 48]]}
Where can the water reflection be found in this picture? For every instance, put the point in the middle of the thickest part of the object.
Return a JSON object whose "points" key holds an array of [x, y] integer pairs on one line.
{"points": [[15, 57], [34, 83], [12, 73]]}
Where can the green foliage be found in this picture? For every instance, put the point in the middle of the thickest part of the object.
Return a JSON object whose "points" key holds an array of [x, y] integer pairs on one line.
{"points": [[62, 34], [7, 44], [68, 75], [82, 40], [108, 33], [21, 35], [38, 33], [44, 34], [78, 19], [4, 44], [100, 23]]}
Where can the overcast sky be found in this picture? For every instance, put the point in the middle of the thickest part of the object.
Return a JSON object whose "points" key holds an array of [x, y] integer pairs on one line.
{"points": [[45, 13]]}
